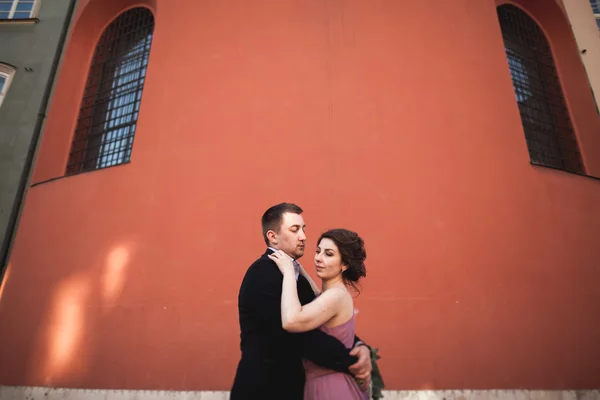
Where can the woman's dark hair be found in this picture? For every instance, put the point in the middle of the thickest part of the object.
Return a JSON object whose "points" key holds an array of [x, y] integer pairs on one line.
{"points": [[352, 251]]}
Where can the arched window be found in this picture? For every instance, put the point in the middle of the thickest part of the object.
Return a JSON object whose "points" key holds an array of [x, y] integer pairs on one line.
{"points": [[6, 75], [111, 101], [548, 131]]}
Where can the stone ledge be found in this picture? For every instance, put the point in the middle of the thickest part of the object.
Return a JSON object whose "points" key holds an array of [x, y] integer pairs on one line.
{"points": [[41, 393]]}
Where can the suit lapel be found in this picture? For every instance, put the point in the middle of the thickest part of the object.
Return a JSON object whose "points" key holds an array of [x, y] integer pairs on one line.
{"points": [[305, 293]]}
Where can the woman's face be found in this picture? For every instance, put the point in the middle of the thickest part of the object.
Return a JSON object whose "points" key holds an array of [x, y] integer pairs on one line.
{"points": [[328, 260]]}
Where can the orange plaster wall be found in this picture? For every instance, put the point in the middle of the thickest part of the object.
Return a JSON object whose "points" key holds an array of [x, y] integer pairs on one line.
{"points": [[395, 119]]}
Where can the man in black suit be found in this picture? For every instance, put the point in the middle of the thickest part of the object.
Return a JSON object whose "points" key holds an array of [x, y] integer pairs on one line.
{"points": [[271, 364]]}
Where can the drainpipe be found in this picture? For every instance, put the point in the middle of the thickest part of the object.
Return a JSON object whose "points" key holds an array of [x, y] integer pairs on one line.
{"points": [[26, 175]]}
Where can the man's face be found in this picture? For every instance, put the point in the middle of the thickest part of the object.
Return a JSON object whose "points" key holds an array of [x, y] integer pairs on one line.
{"points": [[291, 237]]}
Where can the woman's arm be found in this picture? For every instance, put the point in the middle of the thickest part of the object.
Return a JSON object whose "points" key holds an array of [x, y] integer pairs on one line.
{"points": [[298, 318], [316, 290], [294, 316]]}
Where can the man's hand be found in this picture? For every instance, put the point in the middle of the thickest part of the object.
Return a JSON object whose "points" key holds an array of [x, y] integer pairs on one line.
{"points": [[283, 261], [362, 368]]}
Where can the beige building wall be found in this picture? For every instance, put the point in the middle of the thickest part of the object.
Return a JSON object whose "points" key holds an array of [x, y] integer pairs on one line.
{"points": [[587, 35]]}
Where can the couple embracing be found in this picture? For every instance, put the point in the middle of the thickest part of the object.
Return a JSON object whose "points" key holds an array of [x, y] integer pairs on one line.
{"points": [[298, 340]]}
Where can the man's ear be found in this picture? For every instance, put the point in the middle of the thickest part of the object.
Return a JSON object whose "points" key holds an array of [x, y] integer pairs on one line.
{"points": [[272, 236]]}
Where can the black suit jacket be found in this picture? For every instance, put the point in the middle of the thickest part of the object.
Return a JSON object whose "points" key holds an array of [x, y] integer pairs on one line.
{"points": [[271, 364]]}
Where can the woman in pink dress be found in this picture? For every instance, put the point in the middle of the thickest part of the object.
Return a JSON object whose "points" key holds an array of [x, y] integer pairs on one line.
{"points": [[339, 261]]}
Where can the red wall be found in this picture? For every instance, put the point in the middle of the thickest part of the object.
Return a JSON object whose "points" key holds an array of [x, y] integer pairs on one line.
{"points": [[395, 119]]}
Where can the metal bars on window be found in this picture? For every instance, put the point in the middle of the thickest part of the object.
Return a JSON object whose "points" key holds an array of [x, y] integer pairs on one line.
{"points": [[111, 101], [544, 114]]}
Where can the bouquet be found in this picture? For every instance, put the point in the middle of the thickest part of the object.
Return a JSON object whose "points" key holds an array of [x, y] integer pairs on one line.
{"points": [[377, 385]]}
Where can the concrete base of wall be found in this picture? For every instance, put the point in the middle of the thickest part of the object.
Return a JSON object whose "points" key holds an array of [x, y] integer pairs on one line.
{"points": [[39, 393]]}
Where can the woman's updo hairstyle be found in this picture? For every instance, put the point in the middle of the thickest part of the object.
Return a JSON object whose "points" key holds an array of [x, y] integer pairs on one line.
{"points": [[352, 251]]}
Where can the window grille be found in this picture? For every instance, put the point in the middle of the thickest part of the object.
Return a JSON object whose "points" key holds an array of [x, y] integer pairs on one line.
{"points": [[109, 110], [544, 114]]}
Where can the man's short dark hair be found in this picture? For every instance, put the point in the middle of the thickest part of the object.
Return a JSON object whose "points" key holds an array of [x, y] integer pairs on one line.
{"points": [[273, 217]]}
